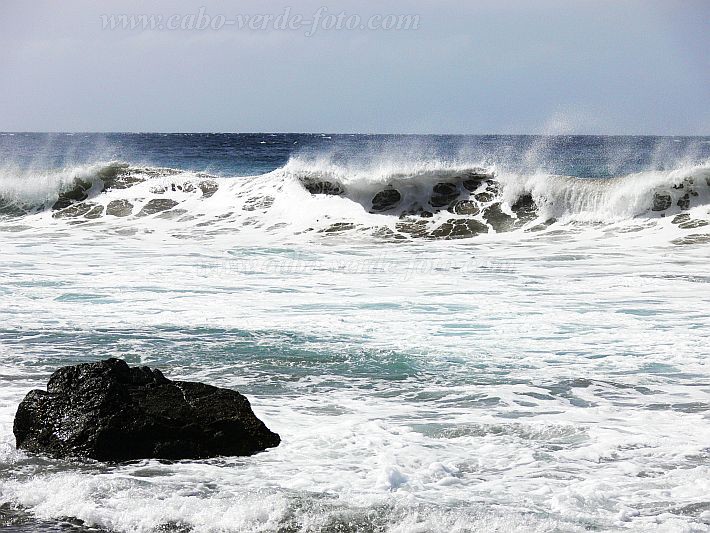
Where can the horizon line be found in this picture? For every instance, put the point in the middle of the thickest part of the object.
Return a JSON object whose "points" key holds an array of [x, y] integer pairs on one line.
{"points": [[408, 134]]}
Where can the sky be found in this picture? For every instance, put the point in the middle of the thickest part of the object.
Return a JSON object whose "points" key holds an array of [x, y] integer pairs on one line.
{"points": [[549, 66]]}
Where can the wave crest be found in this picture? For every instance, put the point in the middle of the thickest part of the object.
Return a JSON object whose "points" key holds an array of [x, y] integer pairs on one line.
{"points": [[432, 199]]}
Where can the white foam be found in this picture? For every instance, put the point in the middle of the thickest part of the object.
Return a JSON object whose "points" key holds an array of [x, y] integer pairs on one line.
{"points": [[607, 200], [276, 206], [520, 382], [33, 187]]}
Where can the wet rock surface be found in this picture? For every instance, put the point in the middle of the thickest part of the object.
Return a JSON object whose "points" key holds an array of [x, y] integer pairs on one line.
{"points": [[474, 181], [208, 188], [112, 412], [317, 186], [695, 238], [484, 197], [492, 186], [464, 207], [413, 227], [338, 227], [685, 222], [684, 202], [123, 181], [385, 200], [78, 193], [157, 205], [661, 201], [88, 210], [525, 208], [119, 208], [497, 219], [95, 212], [73, 211], [693, 223], [443, 194], [459, 228]]}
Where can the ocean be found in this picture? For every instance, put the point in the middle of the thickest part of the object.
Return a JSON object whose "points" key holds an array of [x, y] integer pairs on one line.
{"points": [[450, 333]]}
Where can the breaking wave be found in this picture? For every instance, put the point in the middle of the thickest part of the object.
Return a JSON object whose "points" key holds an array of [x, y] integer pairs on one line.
{"points": [[430, 199]]}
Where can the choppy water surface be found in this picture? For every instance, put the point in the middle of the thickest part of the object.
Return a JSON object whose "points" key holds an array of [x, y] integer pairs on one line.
{"points": [[546, 373]]}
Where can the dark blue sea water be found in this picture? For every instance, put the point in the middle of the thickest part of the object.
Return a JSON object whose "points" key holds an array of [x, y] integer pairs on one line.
{"points": [[231, 154]]}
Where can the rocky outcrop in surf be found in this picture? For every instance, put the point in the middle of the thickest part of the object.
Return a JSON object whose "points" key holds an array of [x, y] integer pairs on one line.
{"points": [[447, 202], [408, 200], [80, 194], [469, 195], [112, 412]]}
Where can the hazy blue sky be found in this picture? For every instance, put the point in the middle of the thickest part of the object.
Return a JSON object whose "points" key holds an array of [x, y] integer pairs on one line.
{"points": [[550, 66]]}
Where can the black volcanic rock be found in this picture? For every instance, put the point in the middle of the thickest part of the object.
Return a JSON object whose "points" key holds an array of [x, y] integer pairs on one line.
{"points": [[74, 210], [112, 412], [459, 228], [661, 201], [443, 194], [319, 186], [208, 188], [119, 208], [78, 193], [157, 205], [464, 207], [684, 202], [497, 219], [525, 208], [386, 199]]}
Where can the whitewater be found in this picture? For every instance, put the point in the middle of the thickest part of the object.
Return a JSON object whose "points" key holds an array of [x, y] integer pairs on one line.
{"points": [[449, 333]]}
